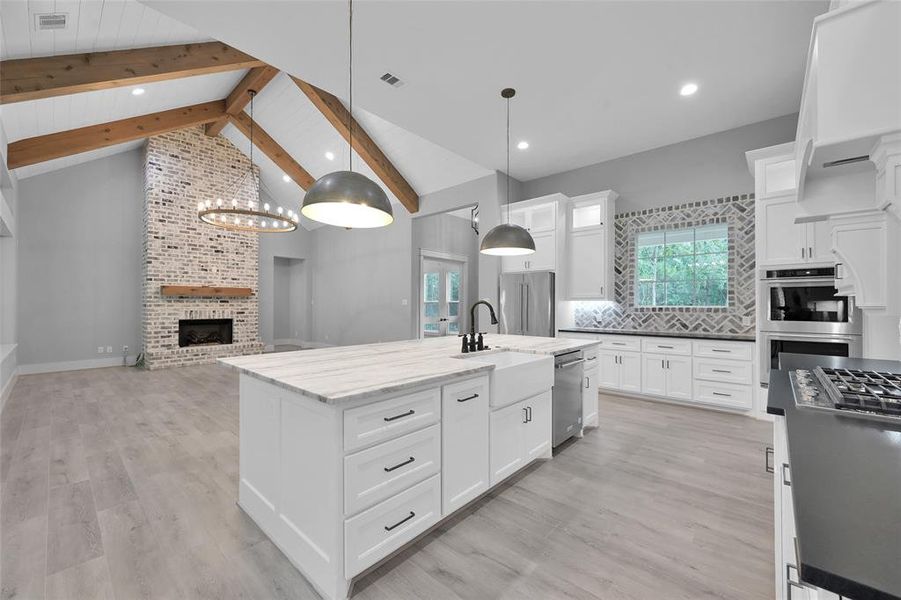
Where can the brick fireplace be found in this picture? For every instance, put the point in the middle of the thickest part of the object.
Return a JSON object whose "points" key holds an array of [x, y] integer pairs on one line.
{"points": [[181, 169]]}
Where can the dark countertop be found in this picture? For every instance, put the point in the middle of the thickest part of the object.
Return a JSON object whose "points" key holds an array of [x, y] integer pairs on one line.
{"points": [[696, 335], [846, 487]]}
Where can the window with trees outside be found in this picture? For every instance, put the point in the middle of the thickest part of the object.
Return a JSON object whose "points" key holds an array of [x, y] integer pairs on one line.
{"points": [[683, 267]]}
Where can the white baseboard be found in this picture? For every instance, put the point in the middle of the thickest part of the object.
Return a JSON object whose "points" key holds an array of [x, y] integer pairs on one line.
{"points": [[74, 365], [8, 388], [305, 344]]}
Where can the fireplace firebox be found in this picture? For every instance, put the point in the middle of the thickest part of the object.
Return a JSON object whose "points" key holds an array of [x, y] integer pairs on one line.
{"points": [[204, 332]]}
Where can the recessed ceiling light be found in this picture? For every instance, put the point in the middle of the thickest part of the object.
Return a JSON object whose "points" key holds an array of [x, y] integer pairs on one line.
{"points": [[688, 89], [330, 155], [522, 145], [137, 91], [285, 178]]}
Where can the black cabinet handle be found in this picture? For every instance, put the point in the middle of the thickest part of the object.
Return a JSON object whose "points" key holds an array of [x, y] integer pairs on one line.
{"points": [[528, 414], [399, 465], [401, 416], [401, 522], [721, 350], [467, 398], [525, 414], [786, 475], [768, 460], [721, 394], [592, 358], [666, 347], [721, 371]]}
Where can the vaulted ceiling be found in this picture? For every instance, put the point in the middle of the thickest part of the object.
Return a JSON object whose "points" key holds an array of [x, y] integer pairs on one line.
{"points": [[281, 109]]}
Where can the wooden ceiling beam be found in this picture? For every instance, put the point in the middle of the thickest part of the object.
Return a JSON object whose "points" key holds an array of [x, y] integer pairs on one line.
{"points": [[256, 79], [65, 143], [49, 76], [272, 149], [333, 110]]}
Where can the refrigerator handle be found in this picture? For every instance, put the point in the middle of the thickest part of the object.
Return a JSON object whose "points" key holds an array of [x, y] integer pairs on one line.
{"points": [[528, 298]]}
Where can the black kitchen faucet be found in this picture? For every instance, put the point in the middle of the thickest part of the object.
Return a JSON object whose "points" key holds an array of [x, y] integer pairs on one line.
{"points": [[469, 342]]}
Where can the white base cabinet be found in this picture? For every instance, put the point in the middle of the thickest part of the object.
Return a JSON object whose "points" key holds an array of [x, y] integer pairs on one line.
{"points": [[712, 373], [464, 442], [592, 373], [520, 433]]}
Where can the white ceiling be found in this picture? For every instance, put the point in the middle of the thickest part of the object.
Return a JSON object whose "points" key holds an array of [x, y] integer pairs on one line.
{"points": [[281, 108], [595, 80]]}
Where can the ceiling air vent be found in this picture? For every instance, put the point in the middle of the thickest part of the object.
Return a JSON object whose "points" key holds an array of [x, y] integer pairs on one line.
{"points": [[47, 21], [392, 80]]}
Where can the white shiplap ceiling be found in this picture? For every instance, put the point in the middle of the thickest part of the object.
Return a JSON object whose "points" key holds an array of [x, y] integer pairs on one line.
{"points": [[280, 108]]}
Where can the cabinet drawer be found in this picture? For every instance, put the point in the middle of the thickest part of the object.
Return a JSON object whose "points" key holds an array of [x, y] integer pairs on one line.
{"points": [[631, 343], [380, 421], [723, 371], [723, 349], [666, 346], [376, 473], [463, 391], [724, 394], [379, 531]]}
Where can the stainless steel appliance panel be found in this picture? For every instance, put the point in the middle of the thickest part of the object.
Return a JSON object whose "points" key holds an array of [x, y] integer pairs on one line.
{"points": [[569, 373], [511, 294], [772, 343], [805, 301], [527, 303], [539, 304]]}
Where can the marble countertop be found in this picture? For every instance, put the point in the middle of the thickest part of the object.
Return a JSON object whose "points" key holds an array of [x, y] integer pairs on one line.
{"points": [[696, 335], [345, 373]]}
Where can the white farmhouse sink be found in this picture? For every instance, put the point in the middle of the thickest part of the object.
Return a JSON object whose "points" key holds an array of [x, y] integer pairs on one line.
{"points": [[516, 375]]}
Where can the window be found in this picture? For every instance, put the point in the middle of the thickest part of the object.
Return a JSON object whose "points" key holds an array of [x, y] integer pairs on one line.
{"points": [[683, 267]]}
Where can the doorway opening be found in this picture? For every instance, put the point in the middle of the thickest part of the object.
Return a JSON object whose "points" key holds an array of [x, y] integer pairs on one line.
{"points": [[290, 299], [442, 293]]}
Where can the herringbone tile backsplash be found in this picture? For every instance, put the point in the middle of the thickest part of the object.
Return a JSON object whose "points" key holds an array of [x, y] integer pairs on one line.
{"points": [[738, 213]]}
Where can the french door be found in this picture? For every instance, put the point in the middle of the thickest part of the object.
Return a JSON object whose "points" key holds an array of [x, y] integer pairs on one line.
{"points": [[441, 296]]}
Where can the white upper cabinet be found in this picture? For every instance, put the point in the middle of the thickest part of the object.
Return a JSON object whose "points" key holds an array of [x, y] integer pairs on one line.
{"points": [[863, 246], [852, 86], [539, 217], [589, 246]]}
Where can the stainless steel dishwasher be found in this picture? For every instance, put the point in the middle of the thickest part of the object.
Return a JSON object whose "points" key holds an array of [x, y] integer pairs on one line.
{"points": [[569, 372]]}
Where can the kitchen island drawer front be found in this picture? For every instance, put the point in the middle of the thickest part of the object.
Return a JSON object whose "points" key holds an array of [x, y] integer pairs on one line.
{"points": [[724, 394], [724, 371], [666, 346], [379, 531], [381, 421], [630, 343], [379, 472], [724, 349]]}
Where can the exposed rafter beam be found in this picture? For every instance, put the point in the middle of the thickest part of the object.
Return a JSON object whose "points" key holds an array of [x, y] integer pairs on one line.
{"points": [[64, 143], [45, 77], [273, 150], [256, 79], [333, 110]]}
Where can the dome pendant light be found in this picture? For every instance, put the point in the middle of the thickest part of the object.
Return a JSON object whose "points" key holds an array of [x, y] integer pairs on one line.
{"points": [[345, 198], [508, 239]]}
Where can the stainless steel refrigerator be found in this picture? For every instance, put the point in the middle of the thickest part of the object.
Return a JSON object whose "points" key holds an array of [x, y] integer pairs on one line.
{"points": [[527, 303]]}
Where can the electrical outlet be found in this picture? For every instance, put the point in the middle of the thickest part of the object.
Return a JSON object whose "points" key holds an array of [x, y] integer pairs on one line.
{"points": [[403, 302], [109, 349], [124, 349], [747, 321], [99, 349]]}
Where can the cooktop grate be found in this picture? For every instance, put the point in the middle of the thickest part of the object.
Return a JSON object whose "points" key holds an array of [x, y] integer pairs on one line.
{"points": [[872, 391]]}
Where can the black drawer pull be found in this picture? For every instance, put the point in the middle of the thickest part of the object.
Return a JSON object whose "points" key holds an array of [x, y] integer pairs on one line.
{"points": [[722, 394], [618, 343], [401, 522], [722, 371], [397, 466], [474, 396], [721, 350], [592, 358], [667, 347], [401, 416]]}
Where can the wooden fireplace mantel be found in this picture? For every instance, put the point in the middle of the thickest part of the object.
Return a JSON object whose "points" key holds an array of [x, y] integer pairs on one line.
{"points": [[205, 291]]}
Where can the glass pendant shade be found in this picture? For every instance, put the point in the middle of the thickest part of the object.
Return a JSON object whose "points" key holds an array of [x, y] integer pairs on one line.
{"points": [[507, 240], [347, 199]]}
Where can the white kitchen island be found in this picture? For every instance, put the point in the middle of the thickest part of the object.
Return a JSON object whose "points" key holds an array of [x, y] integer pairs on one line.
{"points": [[349, 453]]}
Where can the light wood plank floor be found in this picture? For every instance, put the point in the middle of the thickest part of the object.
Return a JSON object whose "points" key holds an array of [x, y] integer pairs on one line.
{"points": [[119, 483]]}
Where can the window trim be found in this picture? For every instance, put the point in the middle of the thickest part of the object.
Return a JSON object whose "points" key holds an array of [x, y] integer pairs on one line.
{"points": [[636, 281]]}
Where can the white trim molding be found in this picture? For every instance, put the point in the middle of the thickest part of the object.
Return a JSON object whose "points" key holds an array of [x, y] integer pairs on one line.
{"points": [[74, 365]]}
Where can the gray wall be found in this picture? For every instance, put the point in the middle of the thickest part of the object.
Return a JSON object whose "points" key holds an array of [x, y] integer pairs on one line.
{"points": [[445, 233], [361, 281], [80, 261], [295, 245], [700, 169], [9, 242]]}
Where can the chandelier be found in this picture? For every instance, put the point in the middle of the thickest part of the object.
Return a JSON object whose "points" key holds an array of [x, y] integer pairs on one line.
{"points": [[255, 215]]}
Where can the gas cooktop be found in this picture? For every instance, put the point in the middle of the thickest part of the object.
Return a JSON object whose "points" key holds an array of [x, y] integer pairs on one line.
{"points": [[858, 393]]}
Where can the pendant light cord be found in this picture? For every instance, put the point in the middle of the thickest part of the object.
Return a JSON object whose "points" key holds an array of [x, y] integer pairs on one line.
{"points": [[350, 69], [508, 160]]}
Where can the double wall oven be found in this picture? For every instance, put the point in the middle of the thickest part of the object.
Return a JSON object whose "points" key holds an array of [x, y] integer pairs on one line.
{"points": [[800, 312]]}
